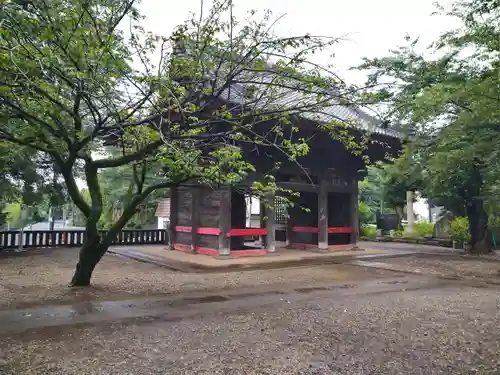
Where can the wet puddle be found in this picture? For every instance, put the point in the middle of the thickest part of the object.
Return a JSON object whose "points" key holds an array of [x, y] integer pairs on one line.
{"points": [[198, 300], [394, 282], [310, 290]]}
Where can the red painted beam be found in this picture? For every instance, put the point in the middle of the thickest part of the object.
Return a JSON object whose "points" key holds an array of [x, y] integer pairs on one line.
{"points": [[316, 230], [305, 229], [207, 251], [183, 248], [199, 250], [247, 232], [183, 229], [340, 230], [249, 253], [209, 231]]}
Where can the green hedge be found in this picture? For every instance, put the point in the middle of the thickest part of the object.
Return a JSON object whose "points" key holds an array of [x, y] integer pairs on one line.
{"points": [[424, 229], [368, 232], [459, 229]]}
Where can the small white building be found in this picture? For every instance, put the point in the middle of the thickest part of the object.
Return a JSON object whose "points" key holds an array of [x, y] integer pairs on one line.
{"points": [[252, 211], [163, 213], [421, 211]]}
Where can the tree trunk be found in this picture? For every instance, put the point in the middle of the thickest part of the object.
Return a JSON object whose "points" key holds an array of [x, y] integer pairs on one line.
{"points": [[90, 254], [95, 247], [92, 249], [480, 236], [88, 259], [399, 216]]}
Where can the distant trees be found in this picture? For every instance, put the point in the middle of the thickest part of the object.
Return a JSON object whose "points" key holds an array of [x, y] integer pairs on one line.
{"points": [[26, 185], [451, 104]]}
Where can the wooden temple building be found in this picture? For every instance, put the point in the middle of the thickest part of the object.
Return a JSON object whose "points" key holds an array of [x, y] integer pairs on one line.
{"points": [[213, 221], [209, 221]]}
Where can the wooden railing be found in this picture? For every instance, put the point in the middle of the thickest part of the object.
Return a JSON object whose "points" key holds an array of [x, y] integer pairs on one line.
{"points": [[61, 238]]}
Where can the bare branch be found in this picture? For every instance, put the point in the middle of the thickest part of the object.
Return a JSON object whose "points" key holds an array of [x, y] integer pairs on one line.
{"points": [[129, 158]]}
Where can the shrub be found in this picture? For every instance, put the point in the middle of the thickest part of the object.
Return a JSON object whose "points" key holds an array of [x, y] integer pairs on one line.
{"points": [[398, 232], [368, 232], [459, 229], [366, 216], [423, 229], [494, 223]]}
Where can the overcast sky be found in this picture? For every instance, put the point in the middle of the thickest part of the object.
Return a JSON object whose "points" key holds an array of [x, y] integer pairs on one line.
{"points": [[372, 27]]}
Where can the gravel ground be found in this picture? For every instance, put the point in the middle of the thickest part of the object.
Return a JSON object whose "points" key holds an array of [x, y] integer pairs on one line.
{"points": [[448, 330], [40, 277], [464, 266]]}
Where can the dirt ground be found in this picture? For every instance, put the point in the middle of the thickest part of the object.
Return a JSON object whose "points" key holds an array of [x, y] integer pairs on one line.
{"points": [[40, 277], [443, 329], [452, 266]]}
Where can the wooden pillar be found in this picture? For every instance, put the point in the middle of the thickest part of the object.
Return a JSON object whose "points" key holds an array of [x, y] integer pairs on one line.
{"points": [[174, 204], [270, 222], [354, 214], [195, 217], [237, 218], [323, 215], [225, 221]]}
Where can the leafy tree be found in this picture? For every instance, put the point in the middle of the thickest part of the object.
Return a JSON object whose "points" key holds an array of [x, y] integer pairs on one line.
{"points": [[366, 213], [451, 103], [24, 180], [402, 176], [385, 185], [71, 89], [117, 193]]}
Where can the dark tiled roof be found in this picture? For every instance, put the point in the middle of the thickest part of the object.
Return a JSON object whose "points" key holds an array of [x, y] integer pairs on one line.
{"points": [[331, 109], [291, 96]]}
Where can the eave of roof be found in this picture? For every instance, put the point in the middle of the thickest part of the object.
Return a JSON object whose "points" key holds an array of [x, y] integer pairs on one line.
{"points": [[351, 114]]}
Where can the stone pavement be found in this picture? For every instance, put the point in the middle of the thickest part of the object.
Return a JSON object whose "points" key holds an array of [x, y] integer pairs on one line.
{"points": [[186, 262], [192, 304], [405, 247], [391, 326]]}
